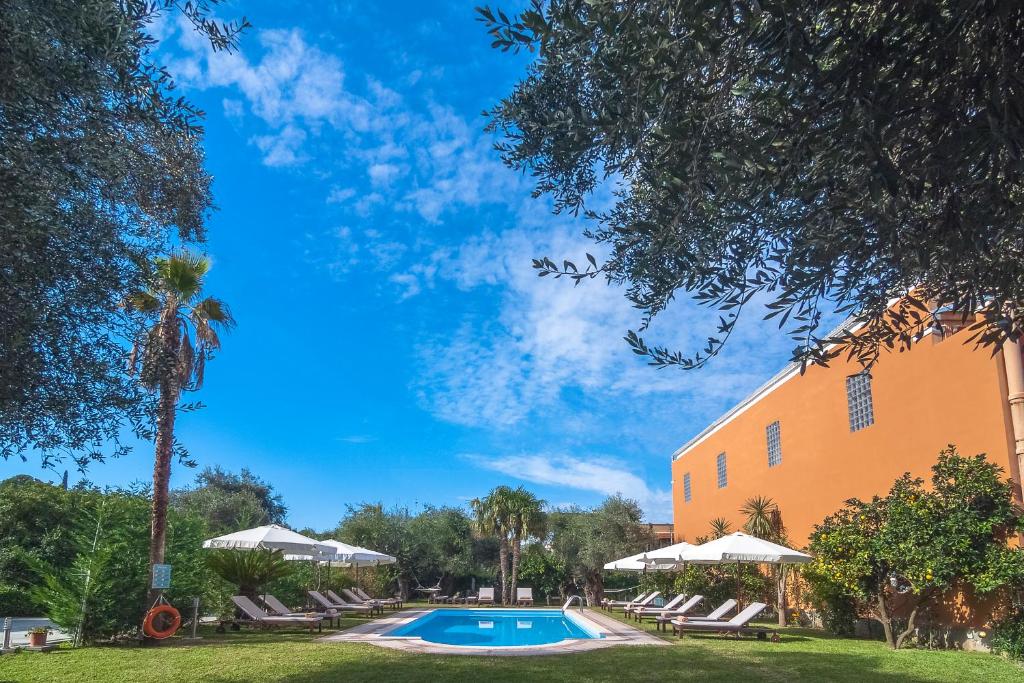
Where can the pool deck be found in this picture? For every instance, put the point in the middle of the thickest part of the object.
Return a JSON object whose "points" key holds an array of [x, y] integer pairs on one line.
{"points": [[374, 633]]}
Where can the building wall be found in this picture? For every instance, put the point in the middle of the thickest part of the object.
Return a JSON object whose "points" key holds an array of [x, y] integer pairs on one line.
{"points": [[942, 391]]}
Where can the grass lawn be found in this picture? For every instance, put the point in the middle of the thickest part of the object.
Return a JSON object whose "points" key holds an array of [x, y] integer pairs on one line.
{"points": [[803, 655]]}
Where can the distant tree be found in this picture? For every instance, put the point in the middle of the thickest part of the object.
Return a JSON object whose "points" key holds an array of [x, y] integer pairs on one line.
{"points": [[544, 572], [170, 357], [435, 545], [585, 540], [915, 543], [229, 502], [821, 156], [101, 165]]}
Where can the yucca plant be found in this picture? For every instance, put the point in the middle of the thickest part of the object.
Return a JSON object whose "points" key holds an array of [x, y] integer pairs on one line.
{"points": [[170, 357], [720, 526]]}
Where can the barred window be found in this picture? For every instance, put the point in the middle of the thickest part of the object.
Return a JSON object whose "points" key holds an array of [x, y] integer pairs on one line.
{"points": [[774, 444], [858, 399], [686, 487], [722, 478]]}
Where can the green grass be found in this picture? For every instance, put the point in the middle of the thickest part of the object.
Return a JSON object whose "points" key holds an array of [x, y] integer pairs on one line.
{"points": [[292, 656]]}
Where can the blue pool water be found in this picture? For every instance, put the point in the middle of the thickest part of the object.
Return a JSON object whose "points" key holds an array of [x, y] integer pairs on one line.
{"points": [[495, 627]]}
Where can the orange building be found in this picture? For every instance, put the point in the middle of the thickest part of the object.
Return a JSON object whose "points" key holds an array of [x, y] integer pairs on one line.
{"points": [[812, 441]]}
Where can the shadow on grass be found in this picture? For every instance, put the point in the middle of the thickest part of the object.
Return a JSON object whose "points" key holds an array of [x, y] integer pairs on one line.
{"points": [[614, 664]]}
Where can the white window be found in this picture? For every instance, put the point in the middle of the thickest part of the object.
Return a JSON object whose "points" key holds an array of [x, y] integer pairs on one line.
{"points": [[686, 487], [774, 444], [722, 478], [858, 400]]}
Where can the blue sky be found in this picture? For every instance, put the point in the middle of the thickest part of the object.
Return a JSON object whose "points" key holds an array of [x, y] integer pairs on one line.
{"points": [[393, 342]]}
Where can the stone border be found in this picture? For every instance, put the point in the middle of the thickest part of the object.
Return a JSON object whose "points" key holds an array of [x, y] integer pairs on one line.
{"points": [[375, 633]]}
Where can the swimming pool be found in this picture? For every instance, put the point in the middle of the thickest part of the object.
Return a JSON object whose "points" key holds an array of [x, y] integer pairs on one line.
{"points": [[496, 627]]}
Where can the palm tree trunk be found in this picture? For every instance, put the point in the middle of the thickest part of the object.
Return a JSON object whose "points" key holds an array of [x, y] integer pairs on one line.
{"points": [[514, 582], [161, 480], [503, 569], [780, 583], [167, 406]]}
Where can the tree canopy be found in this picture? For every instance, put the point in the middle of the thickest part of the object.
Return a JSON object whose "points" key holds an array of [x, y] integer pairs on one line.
{"points": [[821, 155], [229, 502], [101, 166]]}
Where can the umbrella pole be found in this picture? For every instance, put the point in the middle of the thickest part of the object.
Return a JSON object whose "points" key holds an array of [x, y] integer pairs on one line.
{"points": [[739, 589]]}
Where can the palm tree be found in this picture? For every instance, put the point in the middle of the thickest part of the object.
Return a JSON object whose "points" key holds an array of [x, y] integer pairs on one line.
{"points": [[493, 519], [764, 520], [525, 518], [720, 526], [170, 357]]}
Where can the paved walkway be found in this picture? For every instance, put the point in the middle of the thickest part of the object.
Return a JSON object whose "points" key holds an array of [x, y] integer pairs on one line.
{"points": [[375, 633]]}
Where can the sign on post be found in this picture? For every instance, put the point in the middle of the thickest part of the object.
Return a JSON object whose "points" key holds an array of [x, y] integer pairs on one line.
{"points": [[161, 576]]}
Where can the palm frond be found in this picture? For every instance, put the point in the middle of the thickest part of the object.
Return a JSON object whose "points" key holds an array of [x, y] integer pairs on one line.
{"points": [[143, 302], [186, 357], [181, 274], [213, 310]]}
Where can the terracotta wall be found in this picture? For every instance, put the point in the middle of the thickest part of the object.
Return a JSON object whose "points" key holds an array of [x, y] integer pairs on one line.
{"points": [[942, 391]]}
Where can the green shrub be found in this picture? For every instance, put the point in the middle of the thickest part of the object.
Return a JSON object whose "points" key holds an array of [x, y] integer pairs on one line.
{"points": [[1008, 637], [838, 610], [15, 601]]}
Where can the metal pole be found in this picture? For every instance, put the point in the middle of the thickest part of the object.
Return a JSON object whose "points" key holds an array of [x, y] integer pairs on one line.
{"points": [[195, 619]]}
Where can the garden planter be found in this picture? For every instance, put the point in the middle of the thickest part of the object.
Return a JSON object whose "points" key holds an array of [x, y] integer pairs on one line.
{"points": [[37, 639]]}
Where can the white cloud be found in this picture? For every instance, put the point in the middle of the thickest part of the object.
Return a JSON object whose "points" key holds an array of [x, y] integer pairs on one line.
{"points": [[339, 195], [605, 476], [283, 148]]}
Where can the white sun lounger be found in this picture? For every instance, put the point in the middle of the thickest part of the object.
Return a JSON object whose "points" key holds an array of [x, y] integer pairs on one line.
{"points": [[524, 596], [737, 625], [673, 606], [486, 595], [715, 614], [610, 604], [641, 603]]}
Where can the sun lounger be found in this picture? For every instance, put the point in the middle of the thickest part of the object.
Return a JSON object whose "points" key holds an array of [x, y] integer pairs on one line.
{"points": [[524, 596], [395, 603], [342, 606], [257, 616], [672, 606], [715, 614], [738, 625], [642, 603], [485, 596], [611, 604], [353, 599], [278, 609]]}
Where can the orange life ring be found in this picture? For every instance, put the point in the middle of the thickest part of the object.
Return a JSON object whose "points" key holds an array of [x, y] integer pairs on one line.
{"points": [[151, 615]]}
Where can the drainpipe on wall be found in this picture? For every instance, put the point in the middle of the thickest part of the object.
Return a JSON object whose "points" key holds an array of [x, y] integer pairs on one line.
{"points": [[1015, 394]]}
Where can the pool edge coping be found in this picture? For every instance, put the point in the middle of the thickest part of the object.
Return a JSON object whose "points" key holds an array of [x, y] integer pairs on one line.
{"points": [[375, 632]]}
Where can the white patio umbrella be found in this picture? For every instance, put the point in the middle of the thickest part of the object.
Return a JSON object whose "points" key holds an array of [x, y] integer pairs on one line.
{"points": [[269, 537], [669, 555], [739, 547], [345, 555], [636, 563]]}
